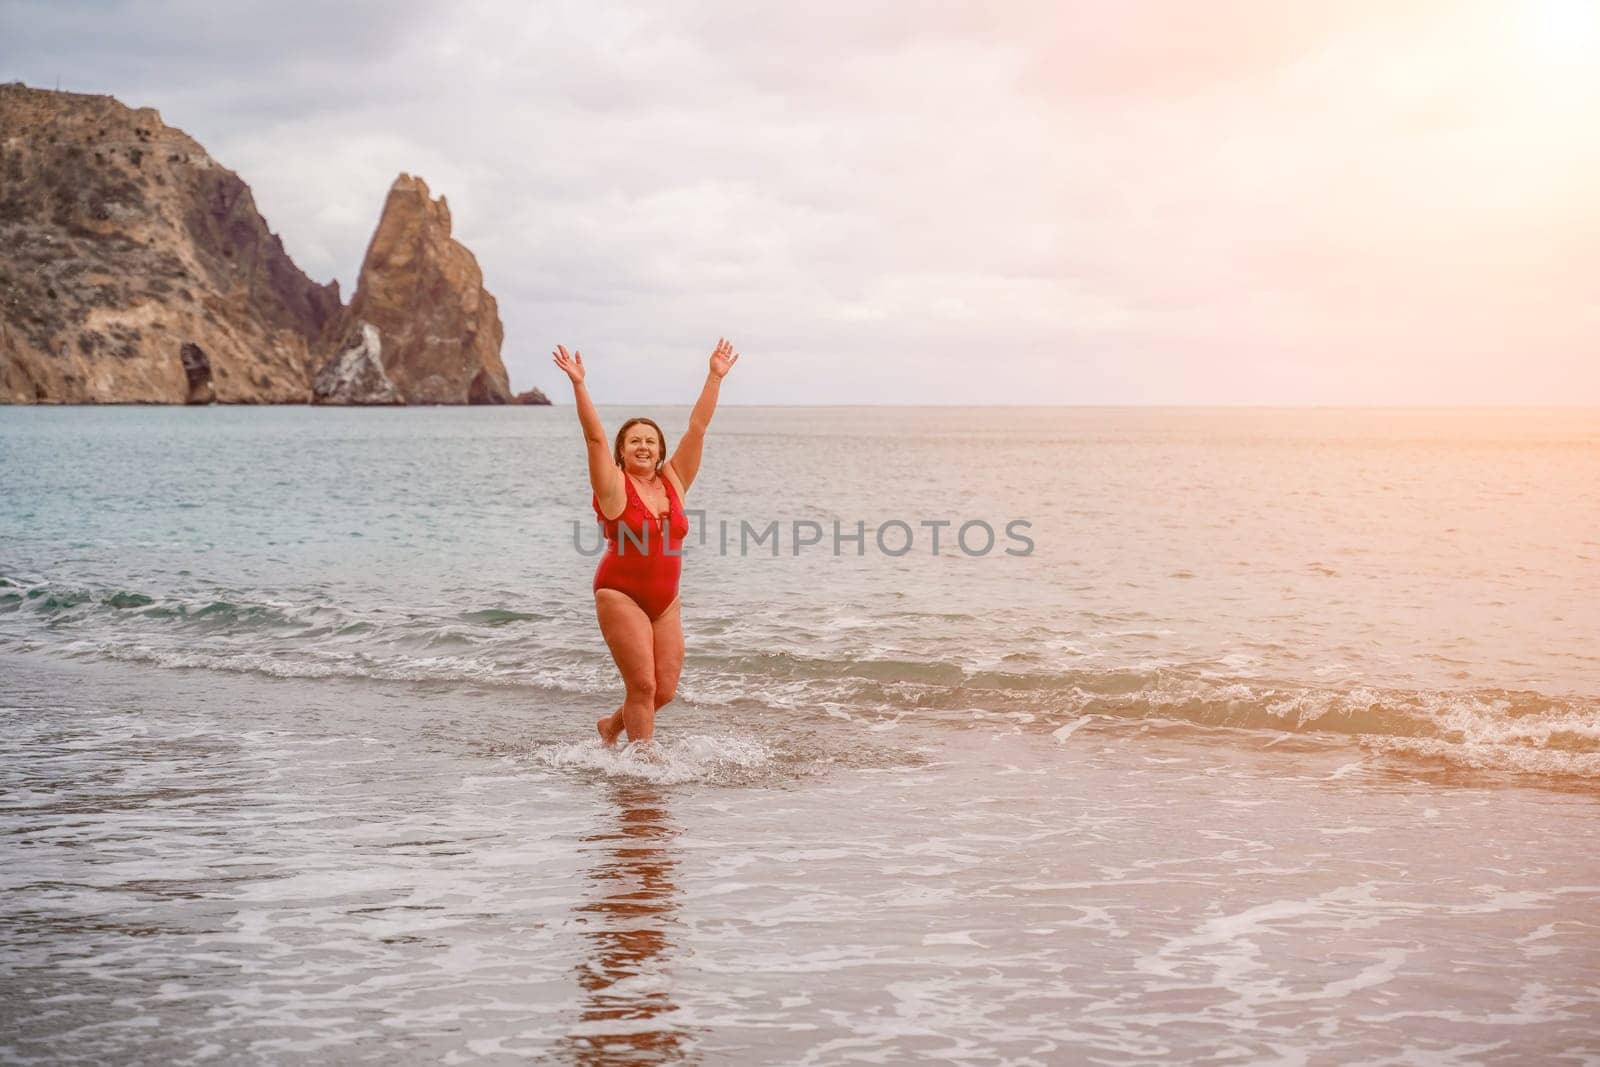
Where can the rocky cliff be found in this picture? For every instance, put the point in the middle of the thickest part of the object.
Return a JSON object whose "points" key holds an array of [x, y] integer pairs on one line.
{"points": [[424, 293], [135, 268], [355, 374]]}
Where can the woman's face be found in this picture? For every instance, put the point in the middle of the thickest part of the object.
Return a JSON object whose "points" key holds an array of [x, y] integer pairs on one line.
{"points": [[641, 449]]}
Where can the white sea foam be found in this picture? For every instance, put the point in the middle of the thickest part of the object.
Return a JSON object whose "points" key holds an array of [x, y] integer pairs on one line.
{"points": [[1488, 756], [1481, 730], [712, 758], [1063, 733]]}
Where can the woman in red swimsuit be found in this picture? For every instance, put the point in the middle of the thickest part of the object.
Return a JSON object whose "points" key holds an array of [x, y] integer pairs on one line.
{"points": [[638, 498]]}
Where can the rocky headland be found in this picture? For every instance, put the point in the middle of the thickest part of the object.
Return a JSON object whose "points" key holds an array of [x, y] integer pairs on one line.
{"points": [[134, 268]]}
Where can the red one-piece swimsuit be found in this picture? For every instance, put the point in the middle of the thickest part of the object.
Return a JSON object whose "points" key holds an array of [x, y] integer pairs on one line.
{"points": [[639, 561]]}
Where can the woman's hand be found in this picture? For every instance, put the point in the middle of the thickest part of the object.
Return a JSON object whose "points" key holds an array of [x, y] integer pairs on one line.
{"points": [[723, 359], [572, 365]]}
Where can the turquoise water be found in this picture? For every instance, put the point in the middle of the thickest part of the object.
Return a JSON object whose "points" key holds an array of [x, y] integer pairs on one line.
{"points": [[1282, 742], [1423, 578]]}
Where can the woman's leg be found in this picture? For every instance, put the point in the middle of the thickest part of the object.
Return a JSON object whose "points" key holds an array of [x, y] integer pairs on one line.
{"points": [[630, 637], [668, 649], [668, 628], [610, 726]]}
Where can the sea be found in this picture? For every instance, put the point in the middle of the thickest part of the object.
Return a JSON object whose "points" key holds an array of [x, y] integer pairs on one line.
{"points": [[1024, 735]]}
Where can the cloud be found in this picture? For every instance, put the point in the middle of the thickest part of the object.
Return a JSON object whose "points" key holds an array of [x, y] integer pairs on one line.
{"points": [[1235, 202]]}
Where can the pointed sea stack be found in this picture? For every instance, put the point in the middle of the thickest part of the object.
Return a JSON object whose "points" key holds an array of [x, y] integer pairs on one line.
{"points": [[422, 289]]}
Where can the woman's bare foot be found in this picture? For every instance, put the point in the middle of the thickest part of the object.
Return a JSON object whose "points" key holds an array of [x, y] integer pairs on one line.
{"points": [[608, 733]]}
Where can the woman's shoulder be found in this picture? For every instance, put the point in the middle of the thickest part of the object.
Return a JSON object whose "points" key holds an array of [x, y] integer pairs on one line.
{"points": [[672, 476]]}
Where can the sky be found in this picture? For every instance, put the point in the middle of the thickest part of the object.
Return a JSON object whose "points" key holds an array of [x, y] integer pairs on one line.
{"points": [[1229, 202]]}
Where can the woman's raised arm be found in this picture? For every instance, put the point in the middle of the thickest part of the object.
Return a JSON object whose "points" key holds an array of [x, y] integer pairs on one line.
{"points": [[686, 457], [604, 476]]}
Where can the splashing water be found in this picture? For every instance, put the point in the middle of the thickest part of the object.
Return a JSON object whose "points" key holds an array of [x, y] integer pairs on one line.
{"points": [[716, 759]]}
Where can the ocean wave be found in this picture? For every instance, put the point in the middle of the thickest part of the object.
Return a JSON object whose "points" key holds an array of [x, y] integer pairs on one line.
{"points": [[1487, 756], [1520, 731], [60, 603]]}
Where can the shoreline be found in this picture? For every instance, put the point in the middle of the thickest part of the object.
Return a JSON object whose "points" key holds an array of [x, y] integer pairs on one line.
{"points": [[251, 867]]}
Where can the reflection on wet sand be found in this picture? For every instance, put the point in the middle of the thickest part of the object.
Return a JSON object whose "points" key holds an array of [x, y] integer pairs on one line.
{"points": [[626, 976]]}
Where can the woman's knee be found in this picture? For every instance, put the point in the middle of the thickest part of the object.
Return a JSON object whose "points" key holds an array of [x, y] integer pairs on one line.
{"points": [[642, 688], [664, 694]]}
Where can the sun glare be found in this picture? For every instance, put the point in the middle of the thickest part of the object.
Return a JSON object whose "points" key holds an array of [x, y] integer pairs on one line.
{"points": [[1564, 33]]}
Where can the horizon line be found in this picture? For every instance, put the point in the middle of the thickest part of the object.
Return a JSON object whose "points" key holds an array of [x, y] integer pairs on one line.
{"points": [[1278, 405], [955, 405]]}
